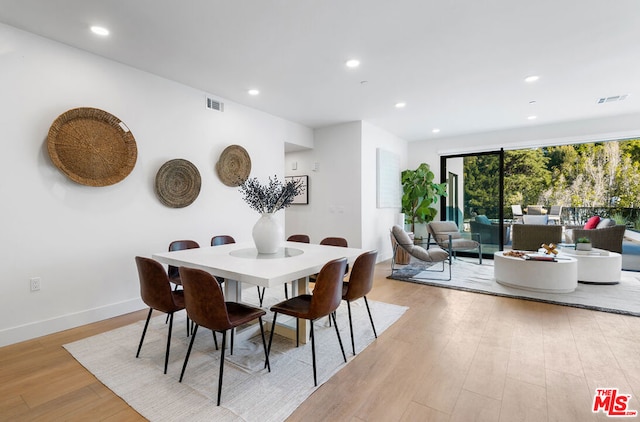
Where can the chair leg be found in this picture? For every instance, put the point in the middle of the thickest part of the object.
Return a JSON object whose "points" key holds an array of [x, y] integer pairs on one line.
{"points": [[286, 291], [261, 294], [273, 328], [313, 354], [353, 344], [166, 356], [366, 302], [186, 358], [233, 330], [264, 344], [144, 331], [298, 332], [215, 339], [335, 324], [224, 340]]}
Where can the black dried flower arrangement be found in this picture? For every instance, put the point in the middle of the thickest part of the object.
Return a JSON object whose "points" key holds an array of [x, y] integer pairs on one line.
{"points": [[271, 197]]}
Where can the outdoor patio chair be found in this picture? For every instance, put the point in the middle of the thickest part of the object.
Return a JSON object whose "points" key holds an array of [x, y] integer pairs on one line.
{"points": [[554, 214], [516, 210], [530, 237]]}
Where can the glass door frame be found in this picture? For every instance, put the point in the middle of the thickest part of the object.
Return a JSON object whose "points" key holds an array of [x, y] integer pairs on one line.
{"points": [[443, 179]]}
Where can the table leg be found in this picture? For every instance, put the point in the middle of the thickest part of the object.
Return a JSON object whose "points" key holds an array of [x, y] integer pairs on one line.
{"points": [[232, 291]]}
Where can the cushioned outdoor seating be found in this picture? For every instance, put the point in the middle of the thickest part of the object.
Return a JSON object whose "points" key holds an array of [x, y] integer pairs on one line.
{"points": [[433, 255], [488, 232], [608, 238], [603, 233], [530, 237]]}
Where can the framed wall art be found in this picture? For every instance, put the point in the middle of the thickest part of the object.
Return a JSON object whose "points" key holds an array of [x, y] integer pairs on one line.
{"points": [[303, 197]]}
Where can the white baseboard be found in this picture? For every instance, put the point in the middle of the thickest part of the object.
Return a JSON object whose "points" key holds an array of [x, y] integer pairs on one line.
{"points": [[64, 322]]}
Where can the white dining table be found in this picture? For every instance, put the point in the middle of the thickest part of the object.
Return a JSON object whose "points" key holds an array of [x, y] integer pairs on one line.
{"points": [[240, 263]]}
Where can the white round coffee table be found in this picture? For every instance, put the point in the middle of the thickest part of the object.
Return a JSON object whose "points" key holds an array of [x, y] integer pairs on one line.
{"points": [[596, 266], [537, 276]]}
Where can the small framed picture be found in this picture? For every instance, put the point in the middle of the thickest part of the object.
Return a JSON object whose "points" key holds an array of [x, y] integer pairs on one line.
{"points": [[303, 197]]}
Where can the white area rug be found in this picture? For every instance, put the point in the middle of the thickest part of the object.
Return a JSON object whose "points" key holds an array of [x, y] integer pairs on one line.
{"points": [[249, 392], [623, 298]]}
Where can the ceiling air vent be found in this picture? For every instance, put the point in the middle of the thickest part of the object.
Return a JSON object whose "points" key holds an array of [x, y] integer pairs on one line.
{"points": [[612, 99], [214, 104]]}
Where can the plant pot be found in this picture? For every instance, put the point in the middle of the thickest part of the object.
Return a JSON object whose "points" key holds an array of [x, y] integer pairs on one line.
{"points": [[583, 246], [268, 234]]}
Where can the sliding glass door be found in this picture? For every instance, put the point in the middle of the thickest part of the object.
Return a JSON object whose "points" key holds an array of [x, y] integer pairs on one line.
{"points": [[475, 197]]}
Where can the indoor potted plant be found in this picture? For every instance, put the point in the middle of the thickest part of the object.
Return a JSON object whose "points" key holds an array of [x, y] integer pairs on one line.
{"points": [[419, 193]]}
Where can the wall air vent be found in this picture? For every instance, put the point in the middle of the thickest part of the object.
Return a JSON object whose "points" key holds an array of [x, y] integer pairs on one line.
{"points": [[214, 104], [612, 99]]}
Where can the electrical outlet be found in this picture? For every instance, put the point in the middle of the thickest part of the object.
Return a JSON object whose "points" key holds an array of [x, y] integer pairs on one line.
{"points": [[35, 284]]}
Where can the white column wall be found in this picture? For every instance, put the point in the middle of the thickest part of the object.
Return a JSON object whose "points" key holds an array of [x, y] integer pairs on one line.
{"points": [[377, 222], [81, 241], [334, 185], [342, 192]]}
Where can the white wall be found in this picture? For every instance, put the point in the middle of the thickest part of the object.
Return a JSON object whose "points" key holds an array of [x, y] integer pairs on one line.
{"points": [[342, 192], [376, 222], [334, 187], [82, 240]]}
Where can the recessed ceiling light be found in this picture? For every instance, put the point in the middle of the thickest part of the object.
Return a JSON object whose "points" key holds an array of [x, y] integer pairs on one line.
{"points": [[436, 130], [353, 63], [532, 117], [531, 78], [253, 92], [401, 105], [99, 30]]}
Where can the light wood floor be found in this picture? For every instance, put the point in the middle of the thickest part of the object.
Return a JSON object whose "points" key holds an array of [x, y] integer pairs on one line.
{"points": [[454, 356]]}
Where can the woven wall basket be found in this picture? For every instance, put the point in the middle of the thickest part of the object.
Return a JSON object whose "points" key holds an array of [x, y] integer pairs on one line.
{"points": [[234, 165], [92, 147], [178, 183]]}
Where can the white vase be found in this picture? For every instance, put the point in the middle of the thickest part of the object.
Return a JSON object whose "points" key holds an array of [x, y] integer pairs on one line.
{"points": [[268, 234]]}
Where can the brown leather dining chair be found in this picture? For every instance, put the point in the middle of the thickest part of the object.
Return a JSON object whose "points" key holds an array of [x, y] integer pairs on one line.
{"points": [[332, 241], [223, 239], [155, 290], [179, 245], [207, 308], [326, 298], [359, 285]]}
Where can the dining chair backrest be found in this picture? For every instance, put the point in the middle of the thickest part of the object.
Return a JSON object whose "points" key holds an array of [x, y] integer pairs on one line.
{"points": [[534, 210], [327, 293], [222, 240], [361, 277], [179, 245], [555, 210], [300, 238], [335, 241], [155, 288], [204, 299]]}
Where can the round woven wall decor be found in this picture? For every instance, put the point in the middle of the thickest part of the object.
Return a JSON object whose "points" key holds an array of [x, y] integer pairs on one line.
{"points": [[178, 183], [234, 165], [92, 147]]}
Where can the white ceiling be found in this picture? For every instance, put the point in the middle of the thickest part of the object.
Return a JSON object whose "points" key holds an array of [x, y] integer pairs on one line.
{"points": [[458, 65]]}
